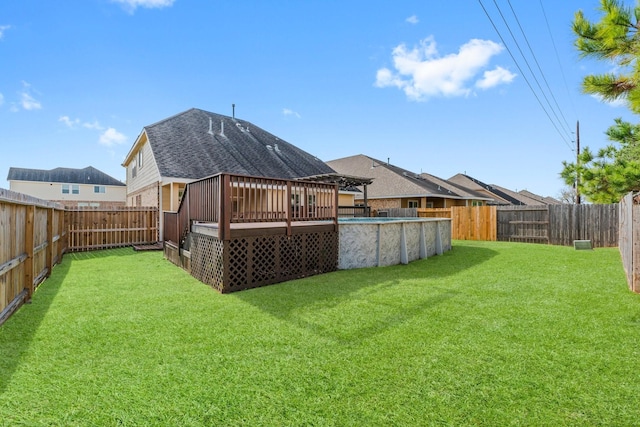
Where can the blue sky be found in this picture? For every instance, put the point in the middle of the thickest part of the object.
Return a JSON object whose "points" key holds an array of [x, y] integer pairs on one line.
{"points": [[430, 85]]}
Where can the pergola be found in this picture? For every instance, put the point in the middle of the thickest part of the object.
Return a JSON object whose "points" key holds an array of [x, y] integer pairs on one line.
{"points": [[343, 181]]}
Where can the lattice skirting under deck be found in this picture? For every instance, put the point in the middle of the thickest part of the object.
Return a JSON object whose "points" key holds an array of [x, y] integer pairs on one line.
{"points": [[249, 262]]}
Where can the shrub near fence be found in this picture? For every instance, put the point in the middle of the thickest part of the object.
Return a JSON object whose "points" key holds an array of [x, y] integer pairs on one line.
{"points": [[31, 243]]}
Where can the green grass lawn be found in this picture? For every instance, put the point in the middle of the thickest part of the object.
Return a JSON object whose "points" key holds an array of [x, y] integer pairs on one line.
{"points": [[491, 334]]}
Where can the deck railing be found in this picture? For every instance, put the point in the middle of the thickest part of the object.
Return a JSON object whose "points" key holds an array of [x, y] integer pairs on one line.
{"points": [[228, 199]]}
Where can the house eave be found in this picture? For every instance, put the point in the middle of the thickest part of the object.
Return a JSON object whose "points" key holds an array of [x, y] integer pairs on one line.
{"points": [[135, 148]]}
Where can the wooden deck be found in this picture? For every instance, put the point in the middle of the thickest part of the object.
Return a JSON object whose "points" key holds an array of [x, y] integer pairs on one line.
{"points": [[242, 232], [249, 229]]}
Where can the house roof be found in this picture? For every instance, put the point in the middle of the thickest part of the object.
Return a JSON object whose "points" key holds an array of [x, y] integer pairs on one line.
{"points": [[196, 143], [88, 175], [522, 197], [393, 181], [546, 200]]}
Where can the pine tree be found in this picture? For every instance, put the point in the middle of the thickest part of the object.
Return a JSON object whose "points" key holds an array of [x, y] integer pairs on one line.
{"points": [[615, 170]]}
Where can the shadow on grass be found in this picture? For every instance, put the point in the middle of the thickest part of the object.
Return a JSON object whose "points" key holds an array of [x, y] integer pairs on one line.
{"points": [[332, 305], [17, 333], [79, 256]]}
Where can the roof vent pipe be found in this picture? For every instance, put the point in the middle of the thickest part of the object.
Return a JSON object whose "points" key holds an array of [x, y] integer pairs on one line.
{"points": [[210, 131], [233, 111], [222, 127]]}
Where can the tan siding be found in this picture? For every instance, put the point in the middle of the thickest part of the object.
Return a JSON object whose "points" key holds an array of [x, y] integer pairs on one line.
{"points": [[346, 199], [53, 191], [147, 174]]}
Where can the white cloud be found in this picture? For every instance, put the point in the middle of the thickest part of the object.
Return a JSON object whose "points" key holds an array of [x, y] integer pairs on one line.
{"points": [[1, 99], [413, 19], [27, 101], [67, 121], [288, 112], [132, 5], [3, 28], [111, 137], [93, 125], [423, 73], [495, 77], [620, 102], [75, 123]]}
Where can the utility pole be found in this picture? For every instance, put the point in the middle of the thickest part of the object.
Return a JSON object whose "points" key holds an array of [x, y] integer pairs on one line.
{"points": [[578, 162]]}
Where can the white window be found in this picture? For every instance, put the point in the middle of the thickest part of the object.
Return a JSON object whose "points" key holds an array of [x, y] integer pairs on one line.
{"points": [[140, 158], [99, 189], [65, 188], [75, 189]]}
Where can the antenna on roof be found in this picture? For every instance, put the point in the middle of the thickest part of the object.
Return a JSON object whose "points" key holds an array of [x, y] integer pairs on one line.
{"points": [[210, 131], [233, 111]]}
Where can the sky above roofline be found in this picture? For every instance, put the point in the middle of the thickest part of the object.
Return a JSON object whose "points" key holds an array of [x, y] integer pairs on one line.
{"points": [[431, 88]]}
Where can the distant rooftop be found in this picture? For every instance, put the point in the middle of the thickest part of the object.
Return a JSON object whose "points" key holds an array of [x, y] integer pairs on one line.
{"points": [[88, 175]]}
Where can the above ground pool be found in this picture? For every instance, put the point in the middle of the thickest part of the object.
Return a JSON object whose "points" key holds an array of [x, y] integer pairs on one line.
{"points": [[377, 242]]}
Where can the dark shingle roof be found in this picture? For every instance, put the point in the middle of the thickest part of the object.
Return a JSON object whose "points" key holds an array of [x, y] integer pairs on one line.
{"points": [[497, 191], [546, 200], [88, 175], [433, 185], [197, 143], [393, 181]]}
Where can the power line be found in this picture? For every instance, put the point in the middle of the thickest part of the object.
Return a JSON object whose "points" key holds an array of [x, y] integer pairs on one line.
{"points": [[525, 60], [568, 128], [524, 76], [555, 49]]}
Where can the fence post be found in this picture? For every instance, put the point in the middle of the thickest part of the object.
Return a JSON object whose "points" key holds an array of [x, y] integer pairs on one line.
{"points": [[224, 226], [336, 200], [49, 248], [634, 280], [28, 237], [289, 203]]}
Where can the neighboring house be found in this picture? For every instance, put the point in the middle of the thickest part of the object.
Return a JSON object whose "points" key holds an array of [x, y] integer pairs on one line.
{"points": [[501, 195], [196, 144], [394, 187], [86, 187], [545, 200]]}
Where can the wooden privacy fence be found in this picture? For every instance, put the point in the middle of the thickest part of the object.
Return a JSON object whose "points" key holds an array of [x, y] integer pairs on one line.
{"points": [[630, 240], [559, 224], [467, 222], [34, 234], [31, 243], [93, 229]]}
